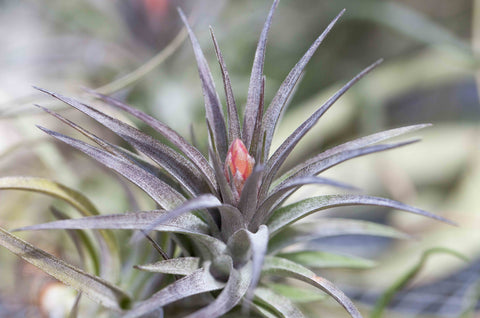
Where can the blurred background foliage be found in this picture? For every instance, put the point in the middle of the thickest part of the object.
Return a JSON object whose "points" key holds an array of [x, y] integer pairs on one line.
{"points": [[429, 75]]}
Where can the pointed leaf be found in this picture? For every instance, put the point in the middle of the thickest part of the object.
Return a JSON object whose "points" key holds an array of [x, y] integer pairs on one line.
{"points": [[201, 202], [278, 103], [232, 220], [93, 287], [171, 135], [320, 259], [283, 267], [234, 130], [223, 185], [293, 212], [158, 190], [176, 266], [357, 144], [327, 227], [280, 155], [281, 192], [175, 164], [200, 281], [213, 106], [279, 304], [254, 89]]}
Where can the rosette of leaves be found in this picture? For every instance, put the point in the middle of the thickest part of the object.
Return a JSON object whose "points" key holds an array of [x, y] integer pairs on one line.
{"points": [[224, 210]]}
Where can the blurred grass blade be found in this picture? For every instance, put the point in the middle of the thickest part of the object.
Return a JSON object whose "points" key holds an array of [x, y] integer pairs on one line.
{"points": [[293, 212], [74, 311], [200, 281], [319, 259], [327, 227], [110, 265], [176, 266], [94, 287], [286, 268], [297, 294], [402, 281], [280, 305]]}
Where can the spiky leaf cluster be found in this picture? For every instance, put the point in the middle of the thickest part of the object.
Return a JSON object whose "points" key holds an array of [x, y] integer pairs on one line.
{"points": [[226, 209]]}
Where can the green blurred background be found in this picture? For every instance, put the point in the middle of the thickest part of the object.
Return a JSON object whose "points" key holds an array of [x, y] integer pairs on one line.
{"points": [[429, 75]]}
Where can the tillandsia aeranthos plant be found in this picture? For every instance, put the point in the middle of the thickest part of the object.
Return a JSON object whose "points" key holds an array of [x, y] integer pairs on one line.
{"points": [[225, 211]]}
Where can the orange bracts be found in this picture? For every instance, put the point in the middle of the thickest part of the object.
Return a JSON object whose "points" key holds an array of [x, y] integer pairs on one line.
{"points": [[239, 165]]}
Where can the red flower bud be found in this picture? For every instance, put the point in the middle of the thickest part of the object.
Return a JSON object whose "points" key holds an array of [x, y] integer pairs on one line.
{"points": [[238, 164]]}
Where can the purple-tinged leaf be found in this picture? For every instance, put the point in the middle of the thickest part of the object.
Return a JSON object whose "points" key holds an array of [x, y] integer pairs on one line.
{"points": [[278, 103], [213, 106], [175, 266], [248, 199], [171, 135], [200, 281], [327, 227], [158, 190], [293, 212], [231, 295], [93, 287], [184, 224], [280, 305], [201, 202], [286, 268], [357, 144], [234, 130], [175, 164], [255, 87], [280, 155], [256, 145], [279, 194], [223, 185], [317, 167], [232, 220]]}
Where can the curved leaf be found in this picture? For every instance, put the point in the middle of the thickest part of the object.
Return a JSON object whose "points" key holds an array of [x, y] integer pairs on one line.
{"points": [[258, 243], [283, 267], [231, 295], [93, 287], [278, 304], [198, 282], [293, 212]]}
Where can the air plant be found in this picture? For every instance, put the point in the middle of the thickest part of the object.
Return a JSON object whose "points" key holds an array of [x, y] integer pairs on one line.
{"points": [[225, 212]]}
